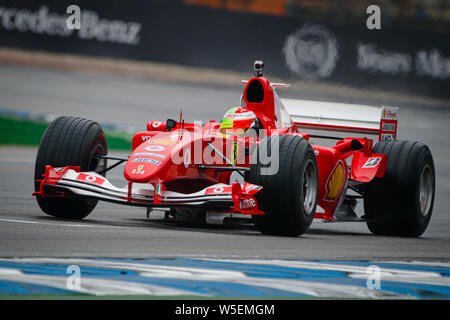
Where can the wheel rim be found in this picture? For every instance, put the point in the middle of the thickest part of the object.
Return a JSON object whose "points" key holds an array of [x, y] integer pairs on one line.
{"points": [[309, 193], [426, 190]]}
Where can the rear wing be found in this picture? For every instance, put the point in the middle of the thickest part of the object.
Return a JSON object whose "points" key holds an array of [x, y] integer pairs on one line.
{"points": [[343, 117]]}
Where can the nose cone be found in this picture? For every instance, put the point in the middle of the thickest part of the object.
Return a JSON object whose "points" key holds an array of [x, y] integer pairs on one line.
{"points": [[149, 159]]}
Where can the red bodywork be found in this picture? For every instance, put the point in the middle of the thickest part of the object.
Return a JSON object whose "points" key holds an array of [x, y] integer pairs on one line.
{"points": [[186, 161]]}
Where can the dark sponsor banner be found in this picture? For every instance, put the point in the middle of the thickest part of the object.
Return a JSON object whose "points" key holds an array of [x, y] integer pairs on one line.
{"points": [[166, 31]]}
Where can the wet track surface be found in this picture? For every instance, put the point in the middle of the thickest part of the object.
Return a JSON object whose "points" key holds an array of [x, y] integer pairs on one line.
{"points": [[118, 231]]}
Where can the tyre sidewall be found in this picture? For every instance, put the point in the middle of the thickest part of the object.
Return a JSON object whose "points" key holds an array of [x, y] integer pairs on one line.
{"points": [[416, 222], [77, 143], [281, 198], [392, 203]]}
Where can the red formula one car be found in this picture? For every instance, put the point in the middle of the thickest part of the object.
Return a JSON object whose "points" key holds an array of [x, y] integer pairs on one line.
{"points": [[255, 163]]}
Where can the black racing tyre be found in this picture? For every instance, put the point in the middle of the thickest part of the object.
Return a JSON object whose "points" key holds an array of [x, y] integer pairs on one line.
{"points": [[289, 195], [401, 203], [70, 141]]}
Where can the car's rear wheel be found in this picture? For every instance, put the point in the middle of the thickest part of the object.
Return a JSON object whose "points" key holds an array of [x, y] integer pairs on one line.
{"points": [[401, 202], [70, 141], [289, 194]]}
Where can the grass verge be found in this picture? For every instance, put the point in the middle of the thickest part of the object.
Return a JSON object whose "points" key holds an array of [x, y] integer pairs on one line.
{"points": [[24, 132]]}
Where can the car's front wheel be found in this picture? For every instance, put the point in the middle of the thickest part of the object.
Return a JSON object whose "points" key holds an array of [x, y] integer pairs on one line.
{"points": [[70, 141], [290, 185]]}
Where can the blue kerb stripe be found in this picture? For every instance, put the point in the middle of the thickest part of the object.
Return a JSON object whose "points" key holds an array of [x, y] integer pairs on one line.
{"points": [[16, 288], [213, 288], [251, 270], [196, 287], [422, 291], [219, 288], [216, 288], [444, 271], [322, 276], [15, 113], [60, 270]]}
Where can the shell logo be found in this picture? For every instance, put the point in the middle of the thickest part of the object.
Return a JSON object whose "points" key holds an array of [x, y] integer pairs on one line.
{"points": [[335, 182]]}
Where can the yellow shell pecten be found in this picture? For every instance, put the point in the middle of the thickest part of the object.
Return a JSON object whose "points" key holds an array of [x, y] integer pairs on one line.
{"points": [[335, 182]]}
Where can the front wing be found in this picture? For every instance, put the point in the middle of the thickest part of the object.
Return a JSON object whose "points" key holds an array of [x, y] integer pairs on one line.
{"points": [[70, 182]]}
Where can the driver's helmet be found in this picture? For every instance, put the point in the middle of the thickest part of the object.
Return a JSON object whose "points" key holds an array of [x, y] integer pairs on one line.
{"points": [[238, 120]]}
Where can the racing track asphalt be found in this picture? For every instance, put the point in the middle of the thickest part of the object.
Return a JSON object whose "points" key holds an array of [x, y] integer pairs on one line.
{"points": [[118, 231]]}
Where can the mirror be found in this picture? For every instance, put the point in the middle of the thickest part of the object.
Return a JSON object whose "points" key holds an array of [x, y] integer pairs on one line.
{"points": [[170, 124]]}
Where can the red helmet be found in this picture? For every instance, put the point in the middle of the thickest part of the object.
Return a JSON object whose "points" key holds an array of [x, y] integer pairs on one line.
{"points": [[238, 118]]}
